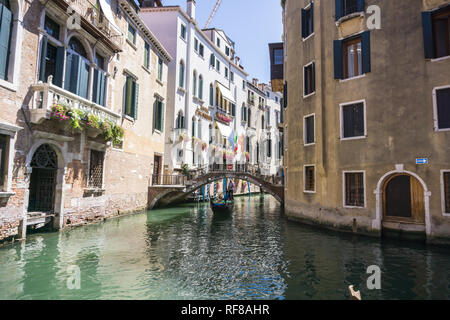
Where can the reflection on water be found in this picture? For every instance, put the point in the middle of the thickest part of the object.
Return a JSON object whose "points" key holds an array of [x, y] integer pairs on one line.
{"points": [[189, 253]]}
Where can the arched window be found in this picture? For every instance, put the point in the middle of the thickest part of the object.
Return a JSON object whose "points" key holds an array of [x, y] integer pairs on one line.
{"points": [[200, 87], [181, 75], [194, 83], [180, 120], [211, 95], [193, 127], [99, 89], [244, 112], [77, 69], [6, 26]]}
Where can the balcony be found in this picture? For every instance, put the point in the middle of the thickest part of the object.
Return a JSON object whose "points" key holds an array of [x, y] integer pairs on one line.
{"points": [[251, 101], [180, 135], [46, 95]]}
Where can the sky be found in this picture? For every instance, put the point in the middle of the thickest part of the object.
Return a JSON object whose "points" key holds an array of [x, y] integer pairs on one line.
{"points": [[251, 24]]}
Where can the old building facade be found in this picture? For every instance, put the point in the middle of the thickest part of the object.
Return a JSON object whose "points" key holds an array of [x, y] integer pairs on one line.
{"points": [[367, 118], [80, 85]]}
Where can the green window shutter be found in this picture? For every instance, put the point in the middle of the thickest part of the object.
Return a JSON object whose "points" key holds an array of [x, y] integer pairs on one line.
{"points": [[83, 78], [43, 59], [136, 100], [129, 96], [427, 26], [59, 66], [339, 9], [155, 115], [96, 87], [338, 62], [161, 113], [72, 69], [5, 39], [102, 100], [365, 45]]}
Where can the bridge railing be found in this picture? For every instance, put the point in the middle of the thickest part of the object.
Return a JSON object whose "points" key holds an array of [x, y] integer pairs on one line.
{"points": [[168, 180]]}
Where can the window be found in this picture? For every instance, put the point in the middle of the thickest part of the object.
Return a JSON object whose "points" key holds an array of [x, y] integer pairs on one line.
{"points": [[48, 65], [200, 87], [244, 113], [278, 56], [96, 169], [158, 115], [269, 148], [436, 33], [352, 56], [99, 90], [211, 95], [218, 42], [227, 50], [6, 23], [232, 76], [77, 69], [212, 60], [194, 84], [268, 118], [244, 85], [309, 79], [442, 102], [233, 110], [193, 127], [183, 31], [353, 121], [131, 97], [201, 50], [180, 121], [446, 194], [147, 56], [309, 130], [199, 129], [196, 44], [218, 65], [276, 99], [3, 162], [226, 72], [51, 27], [308, 21], [131, 34], [310, 179], [354, 189], [181, 75], [347, 7], [160, 68]]}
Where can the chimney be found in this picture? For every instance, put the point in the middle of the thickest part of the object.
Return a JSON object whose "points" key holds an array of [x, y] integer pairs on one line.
{"points": [[191, 8], [237, 59], [255, 82]]}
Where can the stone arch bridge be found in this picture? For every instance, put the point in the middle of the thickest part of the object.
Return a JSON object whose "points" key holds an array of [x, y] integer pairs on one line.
{"points": [[172, 189]]}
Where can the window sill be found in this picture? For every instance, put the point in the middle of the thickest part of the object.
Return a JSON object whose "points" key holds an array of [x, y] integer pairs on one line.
{"points": [[129, 118], [92, 190], [353, 207], [159, 82], [353, 138], [309, 95], [442, 130], [8, 85], [146, 69], [309, 192], [6, 195], [352, 78], [446, 215], [157, 132], [181, 90], [309, 144], [440, 59], [132, 44], [349, 17]]}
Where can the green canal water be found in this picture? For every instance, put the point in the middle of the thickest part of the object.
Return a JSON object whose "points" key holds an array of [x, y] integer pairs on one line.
{"points": [[188, 253]]}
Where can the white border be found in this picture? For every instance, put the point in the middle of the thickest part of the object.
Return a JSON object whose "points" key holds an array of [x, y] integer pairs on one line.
{"points": [[344, 189], [341, 116], [445, 214], [304, 179], [435, 110], [304, 130], [303, 80], [312, 34]]}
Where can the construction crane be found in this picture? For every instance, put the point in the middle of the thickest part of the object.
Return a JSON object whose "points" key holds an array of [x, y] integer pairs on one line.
{"points": [[213, 13]]}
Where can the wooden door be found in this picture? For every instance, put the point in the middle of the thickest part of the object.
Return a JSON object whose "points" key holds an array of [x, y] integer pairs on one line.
{"points": [[403, 200]]}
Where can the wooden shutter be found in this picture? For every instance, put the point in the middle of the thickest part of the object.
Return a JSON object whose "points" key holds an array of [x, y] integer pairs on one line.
{"points": [[99, 87], [339, 9], [59, 66], [365, 44], [136, 100], [447, 191], [161, 113], [83, 78], [303, 23], [338, 59], [427, 26], [44, 42], [72, 69], [361, 6], [5, 39], [313, 77]]}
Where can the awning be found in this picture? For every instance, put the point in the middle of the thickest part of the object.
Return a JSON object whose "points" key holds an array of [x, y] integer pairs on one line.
{"points": [[226, 131], [226, 93], [106, 9]]}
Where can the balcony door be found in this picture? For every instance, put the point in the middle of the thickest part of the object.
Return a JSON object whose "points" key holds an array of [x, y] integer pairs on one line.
{"points": [[77, 69]]}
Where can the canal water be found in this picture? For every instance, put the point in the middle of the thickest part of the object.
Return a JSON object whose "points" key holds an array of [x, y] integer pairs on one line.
{"points": [[186, 252]]}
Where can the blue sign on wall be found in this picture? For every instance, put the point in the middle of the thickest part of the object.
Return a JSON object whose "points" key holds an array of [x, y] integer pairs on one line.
{"points": [[422, 161]]}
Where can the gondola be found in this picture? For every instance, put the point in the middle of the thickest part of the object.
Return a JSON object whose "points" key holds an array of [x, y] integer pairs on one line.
{"points": [[222, 206]]}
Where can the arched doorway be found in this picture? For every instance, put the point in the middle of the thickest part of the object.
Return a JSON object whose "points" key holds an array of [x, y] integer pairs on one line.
{"points": [[403, 200], [43, 180]]}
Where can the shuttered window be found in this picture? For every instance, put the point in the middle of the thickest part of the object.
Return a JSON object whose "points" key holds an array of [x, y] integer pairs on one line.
{"points": [[158, 115], [354, 189], [147, 55], [308, 21], [436, 33], [352, 57], [201, 50], [310, 179], [443, 108], [160, 69], [447, 191], [131, 97], [183, 31], [131, 34], [309, 129], [353, 121], [3, 161], [212, 60], [200, 87], [6, 21], [99, 89], [96, 169], [347, 7], [48, 60], [77, 69], [309, 79], [181, 75]]}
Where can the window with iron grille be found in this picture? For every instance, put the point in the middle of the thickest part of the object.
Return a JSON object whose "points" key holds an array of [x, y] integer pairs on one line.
{"points": [[96, 169], [310, 130], [447, 191], [310, 179], [353, 121], [354, 189], [443, 108], [3, 159]]}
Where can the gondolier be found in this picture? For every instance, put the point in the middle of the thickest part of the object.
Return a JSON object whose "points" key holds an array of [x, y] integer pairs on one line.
{"points": [[231, 187]]}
